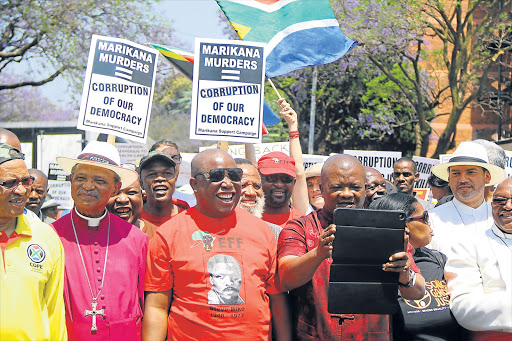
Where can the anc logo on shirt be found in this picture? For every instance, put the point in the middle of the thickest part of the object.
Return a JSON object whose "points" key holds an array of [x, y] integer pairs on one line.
{"points": [[36, 253]]}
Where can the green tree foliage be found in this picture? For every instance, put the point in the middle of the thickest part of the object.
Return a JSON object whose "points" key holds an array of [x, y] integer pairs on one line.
{"points": [[51, 38], [356, 108], [464, 55]]}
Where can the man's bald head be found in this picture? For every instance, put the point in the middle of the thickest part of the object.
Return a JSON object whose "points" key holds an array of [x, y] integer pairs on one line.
{"points": [[343, 179], [343, 161], [217, 191], [375, 185], [200, 161], [7, 136]]}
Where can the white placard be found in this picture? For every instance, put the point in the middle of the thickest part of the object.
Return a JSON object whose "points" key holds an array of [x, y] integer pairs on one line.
{"points": [[59, 185], [227, 91], [238, 150], [131, 152], [118, 88], [381, 161], [424, 166], [508, 166]]}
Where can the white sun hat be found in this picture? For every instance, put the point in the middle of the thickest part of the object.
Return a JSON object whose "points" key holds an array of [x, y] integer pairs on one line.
{"points": [[469, 153], [100, 154]]}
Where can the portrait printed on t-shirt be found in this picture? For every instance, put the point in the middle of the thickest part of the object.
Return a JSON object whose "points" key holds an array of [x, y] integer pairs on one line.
{"points": [[225, 276]]}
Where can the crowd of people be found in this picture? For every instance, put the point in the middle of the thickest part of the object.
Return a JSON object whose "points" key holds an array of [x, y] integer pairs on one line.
{"points": [[252, 259]]}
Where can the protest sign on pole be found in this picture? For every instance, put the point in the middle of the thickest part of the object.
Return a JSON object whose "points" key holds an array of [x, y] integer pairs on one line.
{"points": [[227, 91], [118, 88], [59, 185], [424, 167], [381, 161]]}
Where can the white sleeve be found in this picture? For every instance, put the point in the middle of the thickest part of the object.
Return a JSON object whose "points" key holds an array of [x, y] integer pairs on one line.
{"points": [[475, 305]]}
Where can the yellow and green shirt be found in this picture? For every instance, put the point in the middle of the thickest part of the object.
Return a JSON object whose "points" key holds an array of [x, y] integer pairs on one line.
{"points": [[31, 283]]}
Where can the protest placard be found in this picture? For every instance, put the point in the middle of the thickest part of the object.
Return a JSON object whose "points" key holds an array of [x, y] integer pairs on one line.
{"points": [[59, 185], [131, 152], [381, 161], [424, 167], [118, 88], [508, 166], [227, 91]]}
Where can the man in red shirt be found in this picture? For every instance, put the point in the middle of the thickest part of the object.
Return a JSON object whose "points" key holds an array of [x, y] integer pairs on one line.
{"points": [[278, 180], [213, 264], [305, 249]]}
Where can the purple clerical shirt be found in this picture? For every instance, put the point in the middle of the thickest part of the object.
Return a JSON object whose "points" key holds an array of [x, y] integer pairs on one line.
{"points": [[122, 295]]}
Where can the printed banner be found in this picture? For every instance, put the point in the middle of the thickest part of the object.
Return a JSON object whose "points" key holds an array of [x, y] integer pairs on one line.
{"points": [[118, 88], [227, 91], [381, 161], [424, 166]]}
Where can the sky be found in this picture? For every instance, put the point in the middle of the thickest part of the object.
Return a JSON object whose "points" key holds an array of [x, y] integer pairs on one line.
{"points": [[190, 19]]}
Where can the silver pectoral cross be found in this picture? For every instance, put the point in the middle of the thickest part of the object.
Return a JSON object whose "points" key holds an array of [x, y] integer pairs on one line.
{"points": [[93, 312]]}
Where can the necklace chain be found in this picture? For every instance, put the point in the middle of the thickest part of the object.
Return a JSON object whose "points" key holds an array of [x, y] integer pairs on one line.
{"points": [[82, 257]]}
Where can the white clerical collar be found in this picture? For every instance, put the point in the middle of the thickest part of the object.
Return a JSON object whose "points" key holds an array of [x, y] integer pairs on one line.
{"points": [[497, 231], [92, 222], [465, 209]]}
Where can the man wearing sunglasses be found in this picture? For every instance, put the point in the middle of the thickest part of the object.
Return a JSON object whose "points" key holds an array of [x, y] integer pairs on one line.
{"points": [[158, 174], [31, 261], [278, 179], [479, 273], [468, 172], [179, 272]]}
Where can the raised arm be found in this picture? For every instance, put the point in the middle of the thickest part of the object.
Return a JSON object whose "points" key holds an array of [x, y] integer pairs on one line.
{"points": [[300, 191]]}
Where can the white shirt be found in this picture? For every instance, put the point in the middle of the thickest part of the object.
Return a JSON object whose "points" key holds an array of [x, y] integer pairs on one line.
{"points": [[454, 218], [479, 275]]}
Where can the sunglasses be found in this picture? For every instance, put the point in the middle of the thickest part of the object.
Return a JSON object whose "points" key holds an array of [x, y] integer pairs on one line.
{"points": [[374, 187], [500, 201], [176, 158], [219, 174], [424, 218], [13, 184], [285, 179]]}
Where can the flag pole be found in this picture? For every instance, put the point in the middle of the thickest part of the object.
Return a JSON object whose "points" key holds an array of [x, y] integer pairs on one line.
{"points": [[274, 87], [312, 112], [111, 139]]}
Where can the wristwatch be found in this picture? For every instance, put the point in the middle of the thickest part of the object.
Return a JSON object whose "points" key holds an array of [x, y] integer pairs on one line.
{"points": [[411, 282]]}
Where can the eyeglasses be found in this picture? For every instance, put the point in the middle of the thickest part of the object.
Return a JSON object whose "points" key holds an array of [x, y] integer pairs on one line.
{"points": [[13, 184], [218, 174], [500, 201], [374, 187], [176, 158], [424, 218], [285, 179]]}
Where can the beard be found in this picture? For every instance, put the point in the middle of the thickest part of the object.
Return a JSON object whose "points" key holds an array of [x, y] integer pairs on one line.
{"points": [[255, 210]]}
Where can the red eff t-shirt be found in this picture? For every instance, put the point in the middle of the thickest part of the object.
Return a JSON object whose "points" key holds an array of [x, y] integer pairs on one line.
{"points": [[219, 270], [283, 218]]}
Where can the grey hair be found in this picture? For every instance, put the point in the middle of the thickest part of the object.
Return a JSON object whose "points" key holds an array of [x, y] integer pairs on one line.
{"points": [[495, 153]]}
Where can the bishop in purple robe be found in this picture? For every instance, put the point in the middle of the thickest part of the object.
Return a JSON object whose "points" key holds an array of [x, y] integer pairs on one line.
{"points": [[104, 255]]}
